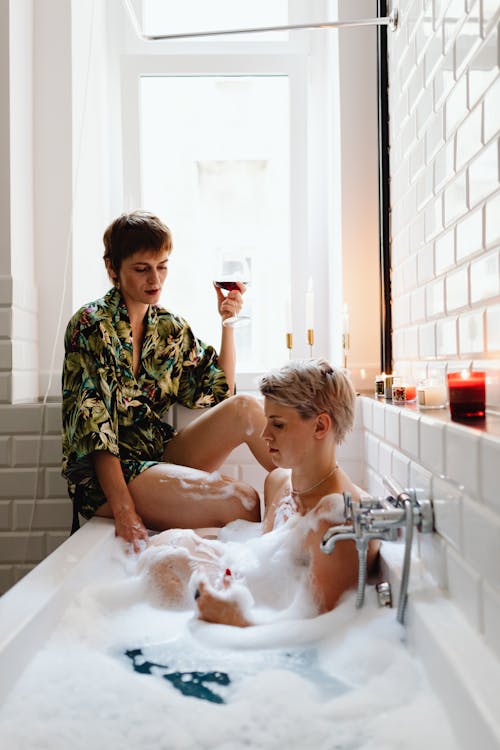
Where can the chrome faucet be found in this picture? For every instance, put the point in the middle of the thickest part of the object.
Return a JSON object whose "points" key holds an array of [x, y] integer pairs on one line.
{"points": [[379, 518]]}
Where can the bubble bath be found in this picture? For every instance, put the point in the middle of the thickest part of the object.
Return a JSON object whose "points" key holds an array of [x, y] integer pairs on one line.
{"points": [[341, 680]]}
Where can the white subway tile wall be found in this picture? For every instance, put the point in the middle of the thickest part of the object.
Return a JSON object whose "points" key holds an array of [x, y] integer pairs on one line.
{"points": [[459, 468], [452, 113], [444, 103], [34, 506]]}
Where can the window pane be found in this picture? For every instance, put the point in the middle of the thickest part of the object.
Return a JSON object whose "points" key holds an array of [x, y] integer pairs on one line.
{"points": [[215, 167], [180, 16]]}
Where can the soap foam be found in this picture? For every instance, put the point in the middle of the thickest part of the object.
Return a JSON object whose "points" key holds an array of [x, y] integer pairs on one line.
{"points": [[80, 691]]}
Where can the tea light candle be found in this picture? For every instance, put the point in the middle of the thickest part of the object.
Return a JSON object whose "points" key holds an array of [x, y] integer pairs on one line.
{"points": [[467, 391], [431, 395]]}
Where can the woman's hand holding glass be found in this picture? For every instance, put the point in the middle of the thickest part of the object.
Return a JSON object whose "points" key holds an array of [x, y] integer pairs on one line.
{"points": [[230, 304]]}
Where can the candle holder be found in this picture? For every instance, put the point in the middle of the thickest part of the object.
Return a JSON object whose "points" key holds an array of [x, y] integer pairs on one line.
{"points": [[431, 394], [467, 394], [310, 340], [402, 392], [289, 344]]}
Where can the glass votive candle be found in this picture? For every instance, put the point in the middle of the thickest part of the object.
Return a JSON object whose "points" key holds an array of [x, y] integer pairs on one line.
{"points": [[402, 392], [431, 394], [467, 394], [411, 392]]}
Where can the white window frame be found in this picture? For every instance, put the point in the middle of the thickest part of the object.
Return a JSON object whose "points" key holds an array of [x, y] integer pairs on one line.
{"points": [[296, 67]]}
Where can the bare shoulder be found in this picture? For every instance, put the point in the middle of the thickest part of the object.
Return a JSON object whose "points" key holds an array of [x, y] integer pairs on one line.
{"points": [[330, 510], [276, 479]]}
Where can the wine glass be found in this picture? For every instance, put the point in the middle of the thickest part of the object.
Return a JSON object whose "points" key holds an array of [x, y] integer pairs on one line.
{"points": [[227, 280]]}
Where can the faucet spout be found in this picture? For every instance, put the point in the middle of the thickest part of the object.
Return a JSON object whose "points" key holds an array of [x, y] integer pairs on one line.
{"points": [[336, 534]]}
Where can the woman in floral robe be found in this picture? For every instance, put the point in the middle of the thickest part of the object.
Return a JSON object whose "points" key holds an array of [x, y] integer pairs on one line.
{"points": [[127, 361]]}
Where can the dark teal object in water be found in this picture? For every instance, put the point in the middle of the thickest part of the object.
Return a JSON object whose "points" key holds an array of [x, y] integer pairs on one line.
{"points": [[191, 684]]}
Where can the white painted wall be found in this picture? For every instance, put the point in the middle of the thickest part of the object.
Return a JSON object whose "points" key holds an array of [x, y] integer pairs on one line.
{"points": [[358, 189], [5, 256], [53, 178], [94, 131], [21, 141]]}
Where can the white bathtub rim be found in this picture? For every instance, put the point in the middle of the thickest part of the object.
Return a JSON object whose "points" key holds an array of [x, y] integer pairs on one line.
{"points": [[461, 668], [30, 610]]}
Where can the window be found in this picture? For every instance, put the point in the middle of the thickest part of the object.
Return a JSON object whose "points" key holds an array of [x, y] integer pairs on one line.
{"points": [[215, 165], [236, 146], [215, 146]]}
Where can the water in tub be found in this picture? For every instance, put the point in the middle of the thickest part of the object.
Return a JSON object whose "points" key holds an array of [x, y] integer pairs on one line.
{"points": [[124, 670]]}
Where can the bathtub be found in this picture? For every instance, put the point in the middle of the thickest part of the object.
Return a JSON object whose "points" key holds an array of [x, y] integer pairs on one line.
{"points": [[456, 663]]}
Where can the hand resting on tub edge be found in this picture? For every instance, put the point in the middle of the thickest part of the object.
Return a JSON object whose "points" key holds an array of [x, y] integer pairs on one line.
{"points": [[279, 572]]}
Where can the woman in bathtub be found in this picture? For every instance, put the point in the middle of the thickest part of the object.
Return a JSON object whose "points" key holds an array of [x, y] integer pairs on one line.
{"points": [[309, 408]]}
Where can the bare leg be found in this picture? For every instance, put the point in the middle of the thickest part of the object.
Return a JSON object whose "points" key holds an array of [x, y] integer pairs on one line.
{"points": [[210, 438], [180, 493], [169, 496]]}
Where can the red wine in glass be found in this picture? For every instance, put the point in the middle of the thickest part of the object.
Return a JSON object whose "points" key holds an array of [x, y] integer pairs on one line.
{"points": [[235, 321], [228, 286]]}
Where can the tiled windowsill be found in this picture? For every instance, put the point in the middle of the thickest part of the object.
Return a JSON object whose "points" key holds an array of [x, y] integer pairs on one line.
{"points": [[488, 426]]}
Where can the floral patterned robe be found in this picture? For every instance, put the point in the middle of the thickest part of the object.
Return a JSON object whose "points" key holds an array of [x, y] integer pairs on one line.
{"points": [[106, 408]]}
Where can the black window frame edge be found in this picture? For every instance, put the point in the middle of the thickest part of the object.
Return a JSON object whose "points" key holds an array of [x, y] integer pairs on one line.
{"points": [[384, 193]]}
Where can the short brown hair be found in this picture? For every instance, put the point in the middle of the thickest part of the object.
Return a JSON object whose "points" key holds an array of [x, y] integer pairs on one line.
{"points": [[130, 232], [311, 387]]}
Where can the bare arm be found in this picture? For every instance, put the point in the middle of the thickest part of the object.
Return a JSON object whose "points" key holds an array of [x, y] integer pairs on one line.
{"points": [[333, 575], [227, 357], [330, 576], [128, 524], [228, 306]]}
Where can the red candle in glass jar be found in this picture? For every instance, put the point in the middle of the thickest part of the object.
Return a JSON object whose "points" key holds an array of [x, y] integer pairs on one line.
{"points": [[467, 394], [411, 392]]}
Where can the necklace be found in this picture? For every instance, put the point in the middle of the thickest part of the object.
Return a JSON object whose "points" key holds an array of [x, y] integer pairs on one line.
{"points": [[298, 493]]}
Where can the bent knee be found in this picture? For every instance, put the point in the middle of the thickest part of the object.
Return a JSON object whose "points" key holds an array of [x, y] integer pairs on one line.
{"points": [[245, 402], [249, 410]]}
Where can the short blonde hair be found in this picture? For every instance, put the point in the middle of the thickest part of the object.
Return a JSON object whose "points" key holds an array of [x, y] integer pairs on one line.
{"points": [[311, 387]]}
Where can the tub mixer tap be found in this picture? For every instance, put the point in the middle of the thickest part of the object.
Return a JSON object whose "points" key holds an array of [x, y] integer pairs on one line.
{"points": [[380, 518]]}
